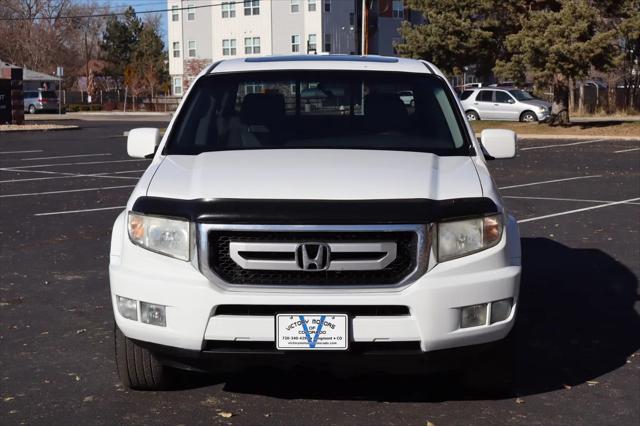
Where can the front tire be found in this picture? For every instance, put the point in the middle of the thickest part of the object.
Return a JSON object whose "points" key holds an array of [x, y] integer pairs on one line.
{"points": [[138, 367], [528, 117], [32, 109], [472, 116]]}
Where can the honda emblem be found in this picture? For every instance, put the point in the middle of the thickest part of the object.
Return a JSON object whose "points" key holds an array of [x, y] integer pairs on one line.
{"points": [[313, 256]]}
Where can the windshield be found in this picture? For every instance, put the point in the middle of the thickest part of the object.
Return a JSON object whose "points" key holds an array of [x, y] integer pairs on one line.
{"points": [[521, 95], [318, 109]]}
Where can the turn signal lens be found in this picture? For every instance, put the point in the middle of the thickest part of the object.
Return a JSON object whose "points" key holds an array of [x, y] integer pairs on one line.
{"points": [[491, 230], [128, 308], [136, 227], [500, 310]]}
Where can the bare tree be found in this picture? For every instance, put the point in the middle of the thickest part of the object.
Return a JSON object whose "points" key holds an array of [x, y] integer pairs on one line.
{"points": [[41, 36]]}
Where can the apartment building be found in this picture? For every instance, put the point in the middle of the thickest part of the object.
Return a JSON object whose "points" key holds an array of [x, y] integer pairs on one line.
{"points": [[201, 32]]}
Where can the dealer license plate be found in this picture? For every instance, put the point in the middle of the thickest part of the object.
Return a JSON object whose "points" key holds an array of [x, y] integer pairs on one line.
{"points": [[312, 332]]}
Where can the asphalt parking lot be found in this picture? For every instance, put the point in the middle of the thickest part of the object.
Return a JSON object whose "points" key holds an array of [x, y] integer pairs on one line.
{"points": [[578, 331]]}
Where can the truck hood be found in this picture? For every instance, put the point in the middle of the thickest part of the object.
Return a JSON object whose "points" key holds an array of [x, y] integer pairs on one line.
{"points": [[537, 102], [315, 174]]}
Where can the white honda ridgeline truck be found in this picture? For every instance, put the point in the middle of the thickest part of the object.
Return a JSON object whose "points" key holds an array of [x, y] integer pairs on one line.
{"points": [[296, 206]]}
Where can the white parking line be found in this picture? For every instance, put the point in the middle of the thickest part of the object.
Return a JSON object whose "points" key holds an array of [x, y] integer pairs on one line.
{"points": [[615, 203], [76, 164], [106, 174], [100, 175], [626, 150], [550, 181], [561, 145], [66, 191], [79, 211], [21, 152], [64, 156], [576, 200]]}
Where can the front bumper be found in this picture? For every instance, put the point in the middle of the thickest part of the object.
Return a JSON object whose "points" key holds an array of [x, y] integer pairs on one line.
{"points": [[543, 115], [433, 301], [390, 358]]}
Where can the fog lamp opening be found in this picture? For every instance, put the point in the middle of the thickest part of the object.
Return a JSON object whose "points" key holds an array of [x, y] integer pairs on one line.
{"points": [[128, 308], [153, 314], [500, 310], [473, 316]]}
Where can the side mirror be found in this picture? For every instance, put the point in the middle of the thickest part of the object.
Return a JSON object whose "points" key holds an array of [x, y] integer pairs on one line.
{"points": [[499, 143], [142, 142]]}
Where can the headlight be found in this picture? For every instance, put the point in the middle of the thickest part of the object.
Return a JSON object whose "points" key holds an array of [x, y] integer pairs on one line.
{"points": [[160, 234], [542, 108], [463, 237]]}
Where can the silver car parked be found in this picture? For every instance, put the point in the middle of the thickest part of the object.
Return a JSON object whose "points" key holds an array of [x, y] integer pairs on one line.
{"points": [[40, 100], [493, 103]]}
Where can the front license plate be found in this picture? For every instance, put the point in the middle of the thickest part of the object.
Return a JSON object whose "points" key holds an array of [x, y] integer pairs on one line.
{"points": [[314, 332]]}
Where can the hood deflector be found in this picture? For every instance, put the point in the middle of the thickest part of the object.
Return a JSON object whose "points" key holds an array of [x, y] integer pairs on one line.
{"points": [[316, 212]]}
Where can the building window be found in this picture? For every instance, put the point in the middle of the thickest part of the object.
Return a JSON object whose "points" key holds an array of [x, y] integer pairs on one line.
{"points": [[312, 5], [327, 5], [398, 9], [192, 48], [229, 47], [251, 7], [177, 86], [176, 49], [327, 43], [228, 10], [252, 45], [175, 14], [352, 19], [312, 44], [295, 43], [295, 6], [191, 13], [253, 87]]}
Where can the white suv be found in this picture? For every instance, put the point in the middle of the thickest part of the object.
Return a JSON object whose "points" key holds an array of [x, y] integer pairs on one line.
{"points": [[348, 224]]}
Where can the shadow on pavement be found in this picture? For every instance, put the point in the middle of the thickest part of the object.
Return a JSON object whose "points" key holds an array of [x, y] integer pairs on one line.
{"points": [[597, 123], [576, 322]]}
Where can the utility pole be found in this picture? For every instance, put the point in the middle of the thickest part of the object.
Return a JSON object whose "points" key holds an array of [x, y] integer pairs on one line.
{"points": [[86, 58], [364, 43], [59, 74]]}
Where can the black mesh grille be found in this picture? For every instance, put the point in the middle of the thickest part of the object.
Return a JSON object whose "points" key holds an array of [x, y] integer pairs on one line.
{"points": [[222, 264], [351, 310]]}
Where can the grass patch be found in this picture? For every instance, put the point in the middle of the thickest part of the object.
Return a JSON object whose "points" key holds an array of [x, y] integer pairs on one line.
{"points": [[589, 128]]}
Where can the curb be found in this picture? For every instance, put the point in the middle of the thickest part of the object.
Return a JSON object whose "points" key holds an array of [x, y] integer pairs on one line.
{"points": [[119, 113], [53, 129], [573, 137]]}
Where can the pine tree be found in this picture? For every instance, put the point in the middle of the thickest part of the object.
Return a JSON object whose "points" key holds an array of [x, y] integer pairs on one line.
{"points": [[119, 40], [558, 47], [458, 33]]}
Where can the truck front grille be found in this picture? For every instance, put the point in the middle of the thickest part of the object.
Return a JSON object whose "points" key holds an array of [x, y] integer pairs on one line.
{"points": [[279, 256], [222, 264]]}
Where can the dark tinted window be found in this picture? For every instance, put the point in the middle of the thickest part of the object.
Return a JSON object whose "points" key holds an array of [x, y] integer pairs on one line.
{"points": [[521, 95], [503, 97], [318, 109], [464, 95], [49, 94], [485, 96]]}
